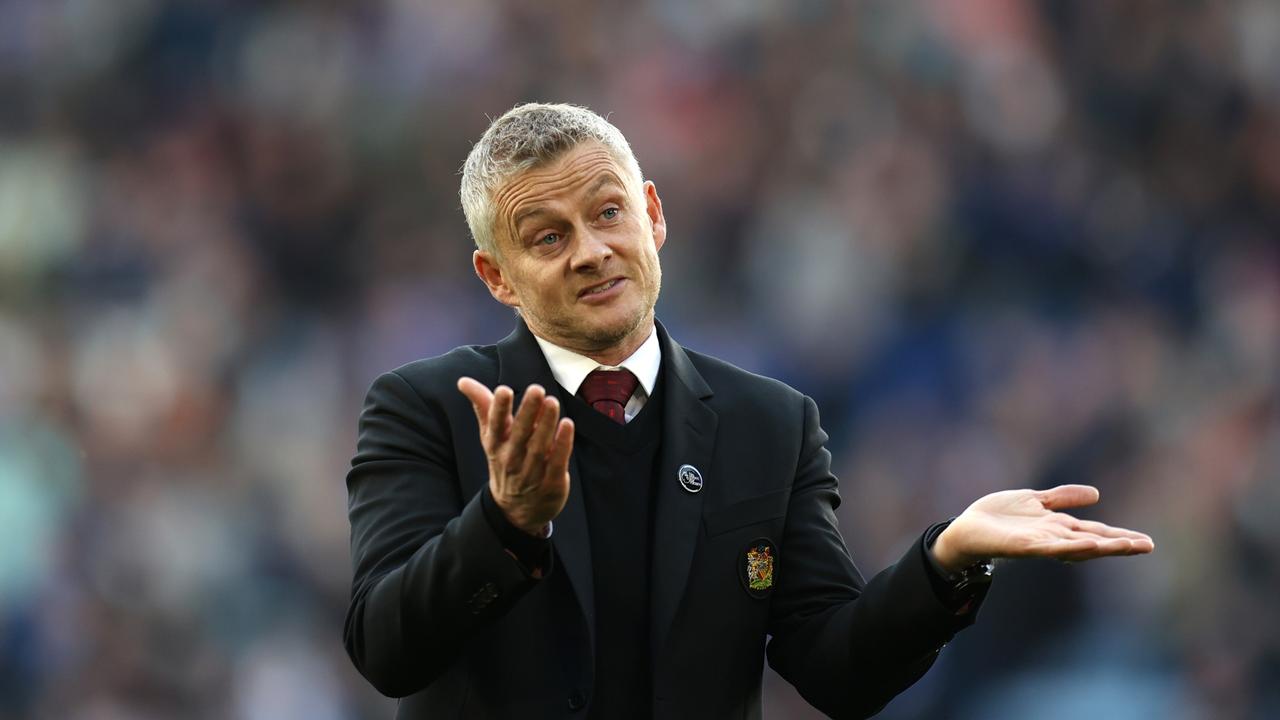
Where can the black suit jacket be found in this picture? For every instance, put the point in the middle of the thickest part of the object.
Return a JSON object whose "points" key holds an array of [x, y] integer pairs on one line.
{"points": [[444, 618]]}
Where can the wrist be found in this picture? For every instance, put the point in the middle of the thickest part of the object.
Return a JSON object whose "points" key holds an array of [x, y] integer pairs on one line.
{"points": [[948, 558], [532, 529], [519, 521], [540, 532]]}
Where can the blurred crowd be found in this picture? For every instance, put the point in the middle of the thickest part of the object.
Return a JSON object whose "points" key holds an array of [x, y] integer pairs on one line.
{"points": [[1001, 243]]}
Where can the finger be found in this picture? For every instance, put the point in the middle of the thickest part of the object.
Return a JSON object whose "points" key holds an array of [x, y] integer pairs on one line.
{"points": [[1112, 548], [1067, 496], [1063, 549], [1124, 546], [1108, 531], [480, 398], [1107, 547], [544, 432], [1064, 546], [1142, 547], [526, 417], [540, 439], [500, 413], [561, 448]]}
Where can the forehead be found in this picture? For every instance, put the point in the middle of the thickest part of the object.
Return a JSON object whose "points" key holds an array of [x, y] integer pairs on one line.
{"points": [[580, 169]]}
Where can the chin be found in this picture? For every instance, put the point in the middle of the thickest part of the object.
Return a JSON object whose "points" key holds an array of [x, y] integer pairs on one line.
{"points": [[611, 331], [603, 336]]}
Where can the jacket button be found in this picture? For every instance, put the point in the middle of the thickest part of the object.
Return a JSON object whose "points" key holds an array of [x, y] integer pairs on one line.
{"points": [[577, 700]]}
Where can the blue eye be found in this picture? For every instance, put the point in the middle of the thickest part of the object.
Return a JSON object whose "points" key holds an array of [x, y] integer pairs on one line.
{"points": [[610, 213], [549, 239]]}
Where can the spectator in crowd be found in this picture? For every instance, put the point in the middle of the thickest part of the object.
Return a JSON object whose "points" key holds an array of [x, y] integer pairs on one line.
{"points": [[1037, 244]]}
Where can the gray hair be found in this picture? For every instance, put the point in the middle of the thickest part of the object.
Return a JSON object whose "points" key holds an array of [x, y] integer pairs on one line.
{"points": [[525, 137]]}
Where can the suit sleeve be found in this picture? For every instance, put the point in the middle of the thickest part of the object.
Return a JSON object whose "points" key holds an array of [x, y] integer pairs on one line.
{"points": [[429, 570], [849, 647]]}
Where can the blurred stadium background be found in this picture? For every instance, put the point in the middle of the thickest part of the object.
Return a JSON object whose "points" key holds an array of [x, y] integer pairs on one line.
{"points": [[1002, 244]]}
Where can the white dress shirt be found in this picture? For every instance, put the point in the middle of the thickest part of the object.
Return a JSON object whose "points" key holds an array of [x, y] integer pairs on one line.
{"points": [[570, 369]]}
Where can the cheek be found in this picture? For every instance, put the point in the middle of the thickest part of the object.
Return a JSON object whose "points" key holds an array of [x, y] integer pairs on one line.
{"points": [[650, 255]]}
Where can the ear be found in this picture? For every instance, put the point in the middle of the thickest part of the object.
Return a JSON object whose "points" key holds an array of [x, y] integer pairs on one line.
{"points": [[653, 208], [490, 273]]}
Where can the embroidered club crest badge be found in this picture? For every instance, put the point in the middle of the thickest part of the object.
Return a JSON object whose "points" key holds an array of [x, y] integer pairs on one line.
{"points": [[757, 567]]}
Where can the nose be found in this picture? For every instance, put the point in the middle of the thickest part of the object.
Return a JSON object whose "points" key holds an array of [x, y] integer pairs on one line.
{"points": [[590, 252]]}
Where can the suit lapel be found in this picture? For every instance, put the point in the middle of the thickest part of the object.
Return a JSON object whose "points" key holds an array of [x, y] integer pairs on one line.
{"points": [[520, 363], [688, 438]]}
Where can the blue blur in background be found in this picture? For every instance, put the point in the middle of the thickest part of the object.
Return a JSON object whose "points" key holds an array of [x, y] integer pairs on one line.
{"points": [[1002, 243]]}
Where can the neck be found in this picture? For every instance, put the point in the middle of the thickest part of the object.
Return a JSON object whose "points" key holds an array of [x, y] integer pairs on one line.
{"points": [[615, 355]]}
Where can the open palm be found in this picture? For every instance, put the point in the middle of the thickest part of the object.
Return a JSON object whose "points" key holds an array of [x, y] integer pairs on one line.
{"points": [[1029, 523]]}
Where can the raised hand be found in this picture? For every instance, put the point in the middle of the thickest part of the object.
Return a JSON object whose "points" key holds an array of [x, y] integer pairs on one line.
{"points": [[1027, 523], [528, 452]]}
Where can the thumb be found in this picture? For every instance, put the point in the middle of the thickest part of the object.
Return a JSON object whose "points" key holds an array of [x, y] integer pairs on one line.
{"points": [[479, 395], [1068, 496]]}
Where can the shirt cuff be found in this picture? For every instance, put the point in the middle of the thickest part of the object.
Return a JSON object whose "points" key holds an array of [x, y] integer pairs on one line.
{"points": [[533, 553]]}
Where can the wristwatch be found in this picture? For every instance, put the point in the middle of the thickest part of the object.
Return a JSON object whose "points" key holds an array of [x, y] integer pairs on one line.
{"points": [[969, 584]]}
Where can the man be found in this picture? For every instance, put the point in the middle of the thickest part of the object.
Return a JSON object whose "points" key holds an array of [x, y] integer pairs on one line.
{"points": [[623, 538]]}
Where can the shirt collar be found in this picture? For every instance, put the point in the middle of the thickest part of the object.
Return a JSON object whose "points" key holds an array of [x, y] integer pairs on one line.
{"points": [[570, 368]]}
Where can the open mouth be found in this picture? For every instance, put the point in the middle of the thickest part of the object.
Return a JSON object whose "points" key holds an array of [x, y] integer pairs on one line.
{"points": [[602, 288]]}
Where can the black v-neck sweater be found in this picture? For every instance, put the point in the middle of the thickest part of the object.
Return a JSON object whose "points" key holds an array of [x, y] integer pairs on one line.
{"points": [[616, 468]]}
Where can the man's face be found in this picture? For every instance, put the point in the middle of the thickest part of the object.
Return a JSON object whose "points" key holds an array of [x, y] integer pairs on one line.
{"points": [[577, 245]]}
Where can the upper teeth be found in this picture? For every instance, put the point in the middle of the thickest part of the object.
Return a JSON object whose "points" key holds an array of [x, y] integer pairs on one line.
{"points": [[603, 287]]}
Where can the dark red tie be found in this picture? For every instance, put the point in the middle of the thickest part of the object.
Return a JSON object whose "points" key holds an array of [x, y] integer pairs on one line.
{"points": [[608, 392]]}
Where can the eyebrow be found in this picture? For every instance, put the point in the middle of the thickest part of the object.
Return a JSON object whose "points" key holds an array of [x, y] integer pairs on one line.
{"points": [[532, 212], [602, 181]]}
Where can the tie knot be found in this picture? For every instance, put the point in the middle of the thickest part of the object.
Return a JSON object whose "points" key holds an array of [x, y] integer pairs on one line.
{"points": [[608, 391], [615, 385]]}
